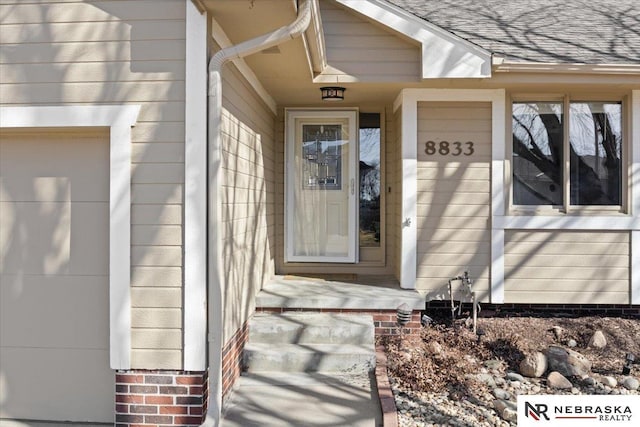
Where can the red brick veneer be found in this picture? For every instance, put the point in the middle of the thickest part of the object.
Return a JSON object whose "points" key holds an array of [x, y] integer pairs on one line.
{"points": [[385, 321], [146, 398], [232, 358]]}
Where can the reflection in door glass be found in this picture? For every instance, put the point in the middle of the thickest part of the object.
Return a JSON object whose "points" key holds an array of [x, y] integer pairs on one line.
{"points": [[369, 179]]}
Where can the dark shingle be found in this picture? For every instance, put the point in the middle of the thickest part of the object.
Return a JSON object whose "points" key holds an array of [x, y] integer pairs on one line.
{"points": [[567, 31]]}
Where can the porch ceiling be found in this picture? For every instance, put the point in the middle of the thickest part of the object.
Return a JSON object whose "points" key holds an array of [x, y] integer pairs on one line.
{"points": [[285, 71]]}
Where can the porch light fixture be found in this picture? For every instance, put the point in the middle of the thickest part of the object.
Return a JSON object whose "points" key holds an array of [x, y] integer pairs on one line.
{"points": [[332, 93]]}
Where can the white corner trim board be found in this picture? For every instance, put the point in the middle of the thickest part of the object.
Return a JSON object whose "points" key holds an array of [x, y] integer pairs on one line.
{"points": [[195, 192], [119, 119], [634, 170]]}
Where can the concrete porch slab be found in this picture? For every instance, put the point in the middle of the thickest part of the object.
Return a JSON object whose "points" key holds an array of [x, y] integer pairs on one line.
{"points": [[362, 292]]}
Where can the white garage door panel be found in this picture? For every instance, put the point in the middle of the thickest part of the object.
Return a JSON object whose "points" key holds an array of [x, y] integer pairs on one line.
{"points": [[31, 314], [82, 156], [35, 236], [54, 284], [52, 386]]}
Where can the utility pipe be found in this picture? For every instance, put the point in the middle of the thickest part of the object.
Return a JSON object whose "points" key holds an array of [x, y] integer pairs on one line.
{"points": [[215, 277]]}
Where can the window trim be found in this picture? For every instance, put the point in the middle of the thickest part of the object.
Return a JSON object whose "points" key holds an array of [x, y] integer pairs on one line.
{"points": [[567, 208]]}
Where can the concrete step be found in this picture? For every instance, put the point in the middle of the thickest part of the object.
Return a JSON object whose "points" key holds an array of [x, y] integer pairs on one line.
{"points": [[280, 399], [304, 328], [345, 358]]}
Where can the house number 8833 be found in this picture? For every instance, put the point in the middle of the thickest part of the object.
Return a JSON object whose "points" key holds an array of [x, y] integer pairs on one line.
{"points": [[444, 148]]}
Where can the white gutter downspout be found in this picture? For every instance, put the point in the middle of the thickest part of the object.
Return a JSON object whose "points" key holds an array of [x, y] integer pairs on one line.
{"points": [[216, 279]]}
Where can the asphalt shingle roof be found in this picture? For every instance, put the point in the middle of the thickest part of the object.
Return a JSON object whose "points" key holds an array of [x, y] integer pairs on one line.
{"points": [[565, 31]]}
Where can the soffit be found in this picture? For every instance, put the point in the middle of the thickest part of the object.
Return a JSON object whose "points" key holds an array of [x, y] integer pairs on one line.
{"points": [[285, 73]]}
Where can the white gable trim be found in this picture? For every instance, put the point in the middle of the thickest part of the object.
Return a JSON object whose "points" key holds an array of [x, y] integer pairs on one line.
{"points": [[444, 55], [119, 119]]}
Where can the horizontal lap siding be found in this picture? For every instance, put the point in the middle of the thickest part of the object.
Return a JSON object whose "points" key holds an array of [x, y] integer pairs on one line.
{"points": [[114, 52], [248, 206], [453, 198], [573, 267], [364, 50]]}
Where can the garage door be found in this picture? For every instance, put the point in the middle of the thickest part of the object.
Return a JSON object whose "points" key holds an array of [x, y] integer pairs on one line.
{"points": [[54, 290]]}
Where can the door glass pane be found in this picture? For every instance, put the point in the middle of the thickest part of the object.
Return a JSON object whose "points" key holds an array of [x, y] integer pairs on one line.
{"points": [[596, 154], [369, 180], [321, 188], [537, 153]]}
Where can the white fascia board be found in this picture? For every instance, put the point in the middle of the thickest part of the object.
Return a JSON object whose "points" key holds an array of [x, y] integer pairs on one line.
{"points": [[195, 192], [119, 119], [444, 55], [502, 66], [223, 41]]}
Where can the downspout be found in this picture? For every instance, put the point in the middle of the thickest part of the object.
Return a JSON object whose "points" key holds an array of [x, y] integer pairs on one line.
{"points": [[216, 278]]}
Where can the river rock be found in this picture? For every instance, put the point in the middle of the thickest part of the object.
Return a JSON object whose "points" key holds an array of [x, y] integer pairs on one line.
{"points": [[631, 383], [572, 343], [506, 409], [598, 340], [513, 376], [567, 362], [486, 379], [534, 365], [557, 380], [501, 394], [609, 381]]}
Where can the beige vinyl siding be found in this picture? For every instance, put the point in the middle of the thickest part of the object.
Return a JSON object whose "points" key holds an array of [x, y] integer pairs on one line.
{"points": [[453, 209], [571, 267], [248, 209], [358, 48], [115, 52]]}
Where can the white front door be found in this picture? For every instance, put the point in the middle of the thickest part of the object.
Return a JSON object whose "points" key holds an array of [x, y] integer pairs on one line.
{"points": [[322, 191]]}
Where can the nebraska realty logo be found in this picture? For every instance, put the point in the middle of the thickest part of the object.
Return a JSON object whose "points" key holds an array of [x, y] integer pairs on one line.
{"points": [[591, 410]]}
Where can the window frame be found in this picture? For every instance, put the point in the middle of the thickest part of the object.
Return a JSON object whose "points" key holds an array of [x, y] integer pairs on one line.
{"points": [[567, 208], [376, 255]]}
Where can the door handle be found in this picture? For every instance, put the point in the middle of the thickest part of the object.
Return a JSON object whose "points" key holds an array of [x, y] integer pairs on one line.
{"points": [[353, 186]]}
